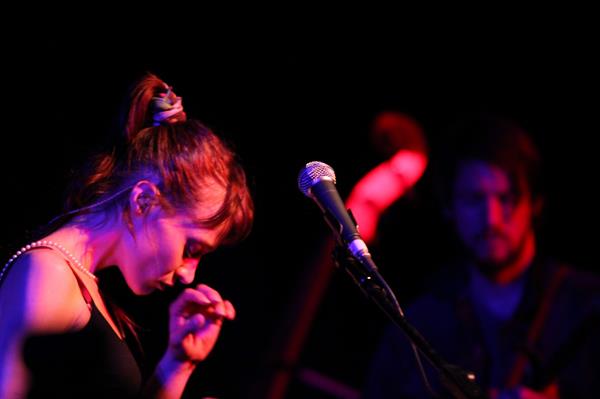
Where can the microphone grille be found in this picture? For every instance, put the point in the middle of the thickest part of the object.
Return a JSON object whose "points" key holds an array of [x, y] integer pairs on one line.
{"points": [[312, 173]]}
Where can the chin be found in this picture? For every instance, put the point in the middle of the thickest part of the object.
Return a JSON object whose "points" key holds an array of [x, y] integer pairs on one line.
{"points": [[142, 289], [146, 291], [493, 255], [491, 263]]}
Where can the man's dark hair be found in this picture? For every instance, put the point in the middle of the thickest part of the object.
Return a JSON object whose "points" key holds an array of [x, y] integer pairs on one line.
{"points": [[493, 139]]}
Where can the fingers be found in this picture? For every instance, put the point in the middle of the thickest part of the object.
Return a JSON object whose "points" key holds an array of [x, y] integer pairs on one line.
{"points": [[211, 293], [182, 305], [219, 307], [229, 310], [191, 326], [204, 300], [195, 321]]}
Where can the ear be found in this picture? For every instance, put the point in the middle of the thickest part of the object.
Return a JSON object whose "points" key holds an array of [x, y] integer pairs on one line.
{"points": [[144, 195]]}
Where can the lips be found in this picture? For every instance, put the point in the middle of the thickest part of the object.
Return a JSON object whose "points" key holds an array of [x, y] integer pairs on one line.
{"points": [[162, 286], [491, 234]]}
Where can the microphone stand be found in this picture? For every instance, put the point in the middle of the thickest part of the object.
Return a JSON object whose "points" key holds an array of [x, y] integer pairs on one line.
{"points": [[363, 271]]}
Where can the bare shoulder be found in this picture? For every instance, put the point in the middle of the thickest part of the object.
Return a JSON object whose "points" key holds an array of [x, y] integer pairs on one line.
{"points": [[40, 294]]}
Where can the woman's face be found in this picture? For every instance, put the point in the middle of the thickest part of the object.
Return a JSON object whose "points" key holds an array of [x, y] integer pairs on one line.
{"points": [[166, 247]]}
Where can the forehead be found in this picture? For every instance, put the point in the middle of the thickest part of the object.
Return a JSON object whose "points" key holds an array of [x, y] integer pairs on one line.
{"points": [[210, 200], [481, 176]]}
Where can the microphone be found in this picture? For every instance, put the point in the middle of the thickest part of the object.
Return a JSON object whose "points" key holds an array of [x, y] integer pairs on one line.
{"points": [[317, 181]]}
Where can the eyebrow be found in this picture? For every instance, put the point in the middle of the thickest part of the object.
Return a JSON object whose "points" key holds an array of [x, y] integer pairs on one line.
{"points": [[207, 247], [197, 225]]}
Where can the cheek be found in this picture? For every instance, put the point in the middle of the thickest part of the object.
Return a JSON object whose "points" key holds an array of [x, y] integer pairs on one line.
{"points": [[520, 224], [153, 252], [160, 249], [170, 253], [169, 243], [466, 222]]}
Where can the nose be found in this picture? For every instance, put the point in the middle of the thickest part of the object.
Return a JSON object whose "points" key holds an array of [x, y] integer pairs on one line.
{"points": [[493, 212], [187, 271]]}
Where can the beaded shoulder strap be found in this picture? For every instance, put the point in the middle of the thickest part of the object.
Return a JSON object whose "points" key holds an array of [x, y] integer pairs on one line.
{"points": [[50, 245]]}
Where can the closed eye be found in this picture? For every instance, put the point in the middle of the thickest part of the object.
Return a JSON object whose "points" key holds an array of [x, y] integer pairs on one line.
{"points": [[193, 250]]}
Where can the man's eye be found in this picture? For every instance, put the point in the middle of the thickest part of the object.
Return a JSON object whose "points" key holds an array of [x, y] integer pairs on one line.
{"points": [[470, 199], [508, 199]]}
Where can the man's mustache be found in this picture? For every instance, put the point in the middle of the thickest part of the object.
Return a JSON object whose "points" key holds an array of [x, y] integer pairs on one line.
{"points": [[491, 234]]}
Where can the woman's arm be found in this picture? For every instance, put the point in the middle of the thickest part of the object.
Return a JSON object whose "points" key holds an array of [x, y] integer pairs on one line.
{"points": [[195, 320], [39, 295]]}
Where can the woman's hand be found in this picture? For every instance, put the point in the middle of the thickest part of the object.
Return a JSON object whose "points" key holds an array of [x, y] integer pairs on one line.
{"points": [[195, 320]]}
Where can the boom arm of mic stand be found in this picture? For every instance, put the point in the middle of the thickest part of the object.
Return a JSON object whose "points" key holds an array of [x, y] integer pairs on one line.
{"points": [[460, 383]]}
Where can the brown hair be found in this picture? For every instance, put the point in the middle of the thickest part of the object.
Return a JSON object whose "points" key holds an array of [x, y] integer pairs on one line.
{"points": [[181, 155], [184, 158]]}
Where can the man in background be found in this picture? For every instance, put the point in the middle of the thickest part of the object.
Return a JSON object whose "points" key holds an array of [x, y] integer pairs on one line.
{"points": [[527, 325]]}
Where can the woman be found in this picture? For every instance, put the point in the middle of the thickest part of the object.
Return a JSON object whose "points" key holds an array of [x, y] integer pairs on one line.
{"points": [[153, 208]]}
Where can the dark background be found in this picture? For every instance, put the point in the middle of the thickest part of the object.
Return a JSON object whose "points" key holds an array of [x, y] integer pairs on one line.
{"points": [[285, 98]]}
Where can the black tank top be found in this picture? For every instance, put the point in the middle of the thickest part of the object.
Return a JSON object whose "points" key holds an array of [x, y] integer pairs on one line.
{"points": [[90, 363]]}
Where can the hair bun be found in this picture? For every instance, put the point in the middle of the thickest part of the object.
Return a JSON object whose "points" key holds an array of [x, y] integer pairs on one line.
{"points": [[167, 108]]}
